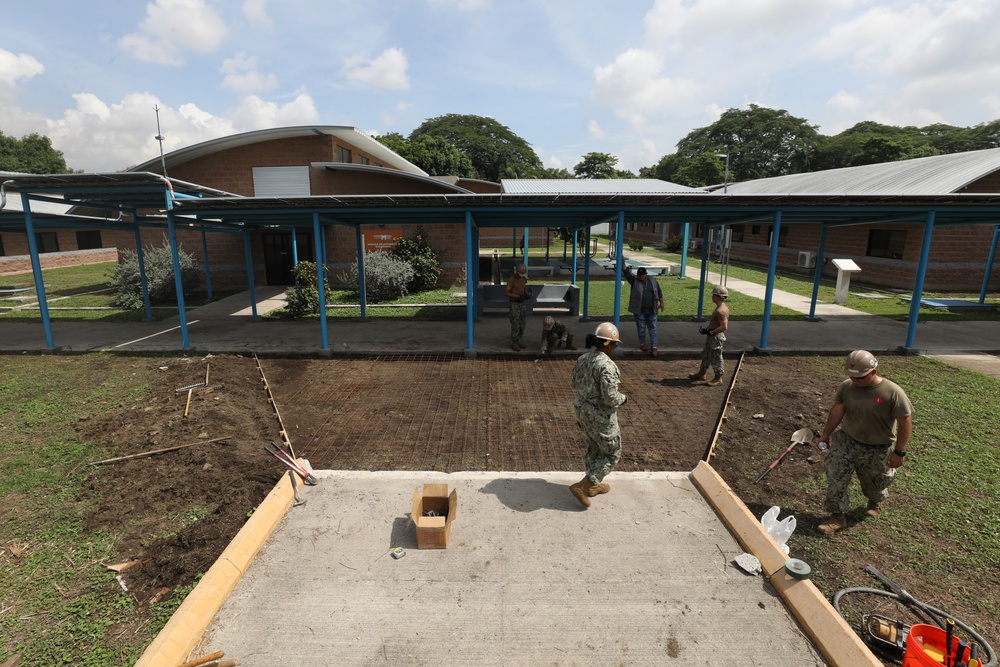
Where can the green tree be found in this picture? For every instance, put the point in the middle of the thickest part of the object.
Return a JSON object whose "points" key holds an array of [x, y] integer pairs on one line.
{"points": [[596, 165], [32, 154], [706, 169], [554, 173], [435, 155], [761, 142], [495, 151]]}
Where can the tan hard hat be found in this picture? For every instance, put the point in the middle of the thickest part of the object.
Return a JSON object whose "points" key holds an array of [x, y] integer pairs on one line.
{"points": [[860, 363], [607, 331], [548, 322], [521, 270], [719, 290]]}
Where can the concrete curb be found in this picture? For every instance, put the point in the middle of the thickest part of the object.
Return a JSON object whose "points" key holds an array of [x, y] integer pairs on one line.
{"points": [[178, 638], [828, 630]]}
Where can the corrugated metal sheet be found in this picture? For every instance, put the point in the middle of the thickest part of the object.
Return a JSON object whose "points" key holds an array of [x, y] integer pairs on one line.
{"points": [[281, 182], [555, 186], [940, 174]]}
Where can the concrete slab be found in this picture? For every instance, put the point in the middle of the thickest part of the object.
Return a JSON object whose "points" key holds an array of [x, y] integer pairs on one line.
{"points": [[530, 578]]}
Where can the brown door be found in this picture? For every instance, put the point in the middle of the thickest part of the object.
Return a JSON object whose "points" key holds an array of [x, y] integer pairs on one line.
{"points": [[279, 260]]}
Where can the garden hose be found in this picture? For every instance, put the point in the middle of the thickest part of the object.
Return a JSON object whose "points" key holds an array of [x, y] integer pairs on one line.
{"points": [[989, 660]]}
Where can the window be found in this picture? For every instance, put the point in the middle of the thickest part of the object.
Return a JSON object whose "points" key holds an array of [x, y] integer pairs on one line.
{"points": [[343, 154], [47, 242], [2, 253], [362, 159], [782, 236], [755, 230], [885, 243], [88, 240], [738, 231]]}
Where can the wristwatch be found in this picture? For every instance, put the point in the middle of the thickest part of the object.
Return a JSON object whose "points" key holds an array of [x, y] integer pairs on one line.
{"points": [[898, 453]]}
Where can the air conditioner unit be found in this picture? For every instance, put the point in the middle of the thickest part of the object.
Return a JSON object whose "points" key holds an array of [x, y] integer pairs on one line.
{"points": [[807, 260], [694, 244]]}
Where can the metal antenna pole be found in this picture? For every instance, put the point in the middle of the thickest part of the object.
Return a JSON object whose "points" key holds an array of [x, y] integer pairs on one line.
{"points": [[159, 138]]}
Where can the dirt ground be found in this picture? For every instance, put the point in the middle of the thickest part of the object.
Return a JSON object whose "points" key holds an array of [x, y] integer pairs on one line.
{"points": [[440, 413]]}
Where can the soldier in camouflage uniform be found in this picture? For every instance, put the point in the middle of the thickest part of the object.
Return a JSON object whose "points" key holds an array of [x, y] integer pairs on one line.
{"points": [[596, 379], [876, 420], [715, 337], [518, 292], [555, 333]]}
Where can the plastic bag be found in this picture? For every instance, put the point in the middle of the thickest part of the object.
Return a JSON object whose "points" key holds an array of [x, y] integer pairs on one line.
{"points": [[779, 530]]}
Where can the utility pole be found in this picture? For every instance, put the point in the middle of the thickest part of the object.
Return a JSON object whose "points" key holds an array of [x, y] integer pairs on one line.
{"points": [[159, 137]]}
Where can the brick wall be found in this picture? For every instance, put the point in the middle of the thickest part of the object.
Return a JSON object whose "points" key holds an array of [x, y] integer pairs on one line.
{"points": [[10, 264]]}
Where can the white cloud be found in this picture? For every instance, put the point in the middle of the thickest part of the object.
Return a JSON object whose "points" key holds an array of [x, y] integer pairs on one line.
{"points": [[750, 21], [255, 11], [387, 70], [391, 118], [243, 77], [636, 87], [844, 101], [594, 130], [254, 113], [460, 5], [14, 68], [173, 27]]}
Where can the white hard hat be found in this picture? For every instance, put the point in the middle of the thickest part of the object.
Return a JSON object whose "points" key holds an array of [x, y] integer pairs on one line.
{"points": [[860, 363], [548, 322], [607, 331], [719, 290]]}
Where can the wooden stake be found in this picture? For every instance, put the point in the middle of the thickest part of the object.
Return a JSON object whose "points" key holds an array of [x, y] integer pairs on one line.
{"points": [[188, 404], [157, 451], [207, 369], [201, 661]]}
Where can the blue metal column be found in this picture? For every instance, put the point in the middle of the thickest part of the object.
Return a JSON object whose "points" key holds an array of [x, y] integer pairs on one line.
{"points": [[361, 273], [700, 317], [248, 254], [143, 283], [619, 241], [769, 292], [576, 234], [989, 264], [36, 269], [295, 248], [819, 272], [525, 246], [663, 235], [181, 310], [204, 257], [918, 284], [684, 251], [470, 286], [584, 313], [320, 282]]}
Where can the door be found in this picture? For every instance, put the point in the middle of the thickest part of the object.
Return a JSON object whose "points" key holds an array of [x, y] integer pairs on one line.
{"points": [[279, 260]]}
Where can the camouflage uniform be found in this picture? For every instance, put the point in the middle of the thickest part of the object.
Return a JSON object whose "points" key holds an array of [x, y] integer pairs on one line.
{"points": [[518, 287], [871, 414], [596, 379], [558, 332], [711, 354]]}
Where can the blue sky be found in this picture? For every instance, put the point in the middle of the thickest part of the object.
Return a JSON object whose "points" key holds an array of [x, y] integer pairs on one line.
{"points": [[629, 78]]}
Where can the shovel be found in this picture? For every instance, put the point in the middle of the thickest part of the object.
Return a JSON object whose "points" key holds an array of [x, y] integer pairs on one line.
{"points": [[801, 437]]}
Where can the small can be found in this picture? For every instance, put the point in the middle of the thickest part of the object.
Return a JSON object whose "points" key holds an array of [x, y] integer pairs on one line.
{"points": [[398, 552]]}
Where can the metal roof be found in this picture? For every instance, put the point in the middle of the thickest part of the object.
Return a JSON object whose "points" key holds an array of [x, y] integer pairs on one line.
{"points": [[590, 185], [935, 175], [348, 134], [430, 180]]}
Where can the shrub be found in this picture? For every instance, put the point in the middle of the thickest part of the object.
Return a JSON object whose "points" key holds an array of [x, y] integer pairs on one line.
{"points": [[675, 243], [303, 299], [635, 244], [418, 253], [159, 265], [386, 277]]}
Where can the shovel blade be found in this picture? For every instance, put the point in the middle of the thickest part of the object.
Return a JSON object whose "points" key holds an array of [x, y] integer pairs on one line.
{"points": [[802, 436]]}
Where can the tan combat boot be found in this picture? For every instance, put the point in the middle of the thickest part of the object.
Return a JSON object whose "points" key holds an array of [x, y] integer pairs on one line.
{"points": [[715, 382], [598, 489], [835, 523], [580, 489], [874, 509], [700, 375]]}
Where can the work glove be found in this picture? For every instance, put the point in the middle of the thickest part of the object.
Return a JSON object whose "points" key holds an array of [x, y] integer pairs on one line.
{"points": [[562, 341], [704, 330]]}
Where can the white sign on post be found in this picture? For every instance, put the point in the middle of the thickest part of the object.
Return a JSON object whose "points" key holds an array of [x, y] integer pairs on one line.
{"points": [[845, 267]]}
